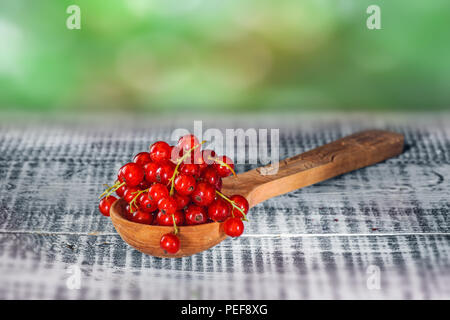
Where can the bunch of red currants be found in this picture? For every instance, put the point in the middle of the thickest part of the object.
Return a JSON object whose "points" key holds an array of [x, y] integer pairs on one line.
{"points": [[177, 185]]}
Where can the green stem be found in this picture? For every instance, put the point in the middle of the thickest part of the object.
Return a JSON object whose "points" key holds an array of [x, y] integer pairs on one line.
{"points": [[110, 190], [138, 193], [179, 162], [223, 164], [234, 205], [174, 225]]}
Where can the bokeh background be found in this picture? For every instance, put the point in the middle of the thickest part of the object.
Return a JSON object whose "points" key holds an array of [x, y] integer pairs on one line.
{"points": [[224, 56]]}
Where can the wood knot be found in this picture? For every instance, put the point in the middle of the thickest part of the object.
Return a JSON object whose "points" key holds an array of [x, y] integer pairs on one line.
{"points": [[268, 170]]}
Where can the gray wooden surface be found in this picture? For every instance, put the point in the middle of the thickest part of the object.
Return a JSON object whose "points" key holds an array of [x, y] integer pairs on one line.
{"points": [[317, 242]]}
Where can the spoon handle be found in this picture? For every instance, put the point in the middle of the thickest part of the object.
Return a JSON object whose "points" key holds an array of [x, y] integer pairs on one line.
{"points": [[341, 156]]}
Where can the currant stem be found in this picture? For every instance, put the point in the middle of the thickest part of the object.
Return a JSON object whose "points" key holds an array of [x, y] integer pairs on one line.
{"points": [[222, 164], [174, 225], [110, 190], [234, 205], [179, 162], [138, 193]]}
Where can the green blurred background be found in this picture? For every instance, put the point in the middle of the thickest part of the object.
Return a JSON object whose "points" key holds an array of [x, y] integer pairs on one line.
{"points": [[211, 55]]}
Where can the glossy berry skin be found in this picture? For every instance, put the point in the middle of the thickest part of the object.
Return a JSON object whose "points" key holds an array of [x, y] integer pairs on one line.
{"points": [[233, 227], [145, 204], [219, 210], [130, 193], [187, 142], [142, 158], [132, 174], [242, 203], [204, 194], [144, 185], [158, 191], [210, 175], [129, 212], [190, 169], [167, 219], [207, 154], [222, 170], [121, 191], [182, 201], [143, 217], [105, 204], [170, 243], [160, 151], [197, 158], [165, 172], [184, 184], [195, 215], [175, 154], [218, 185], [168, 205], [150, 171]]}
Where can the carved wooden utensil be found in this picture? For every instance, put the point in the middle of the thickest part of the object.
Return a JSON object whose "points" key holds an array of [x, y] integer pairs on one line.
{"points": [[344, 155]]}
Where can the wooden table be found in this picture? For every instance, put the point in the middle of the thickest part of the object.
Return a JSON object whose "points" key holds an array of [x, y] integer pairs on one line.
{"points": [[334, 240]]}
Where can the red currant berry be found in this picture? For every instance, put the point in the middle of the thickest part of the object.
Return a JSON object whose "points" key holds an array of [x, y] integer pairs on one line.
{"points": [[208, 156], [190, 169], [195, 215], [121, 191], [170, 243], [167, 219], [160, 151], [168, 205], [129, 212], [182, 201], [242, 203], [175, 154], [130, 194], [222, 170], [197, 158], [142, 158], [218, 185], [184, 184], [105, 205], [158, 191], [150, 171], [233, 227], [201, 163], [204, 193], [165, 172], [210, 175], [145, 204], [187, 142], [219, 210], [144, 185], [143, 217], [132, 174]]}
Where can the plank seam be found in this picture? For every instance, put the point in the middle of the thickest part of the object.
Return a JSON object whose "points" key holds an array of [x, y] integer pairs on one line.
{"points": [[261, 235]]}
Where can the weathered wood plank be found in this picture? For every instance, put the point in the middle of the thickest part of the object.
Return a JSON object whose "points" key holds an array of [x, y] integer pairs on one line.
{"points": [[394, 215], [35, 266]]}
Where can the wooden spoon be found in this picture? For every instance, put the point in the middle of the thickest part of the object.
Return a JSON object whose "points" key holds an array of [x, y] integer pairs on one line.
{"points": [[328, 161]]}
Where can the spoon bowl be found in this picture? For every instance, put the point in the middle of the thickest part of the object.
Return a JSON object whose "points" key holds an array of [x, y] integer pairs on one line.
{"points": [[344, 155], [145, 238]]}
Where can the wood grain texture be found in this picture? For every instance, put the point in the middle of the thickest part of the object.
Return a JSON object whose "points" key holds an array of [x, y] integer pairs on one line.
{"points": [[322, 163], [316, 242]]}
